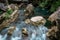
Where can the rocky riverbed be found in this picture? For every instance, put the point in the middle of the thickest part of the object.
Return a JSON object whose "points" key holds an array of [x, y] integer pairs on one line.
{"points": [[17, 32]]}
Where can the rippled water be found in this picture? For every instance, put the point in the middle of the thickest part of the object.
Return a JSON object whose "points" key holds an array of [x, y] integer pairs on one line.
{"points": [[34, 33]]}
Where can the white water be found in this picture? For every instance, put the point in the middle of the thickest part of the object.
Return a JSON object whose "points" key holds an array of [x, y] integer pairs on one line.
{"points": [[34, 33]]}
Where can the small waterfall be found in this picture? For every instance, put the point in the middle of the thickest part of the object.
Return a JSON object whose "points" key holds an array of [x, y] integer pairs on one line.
{"points": [[3, 38], [39, 33], [34, 33]]}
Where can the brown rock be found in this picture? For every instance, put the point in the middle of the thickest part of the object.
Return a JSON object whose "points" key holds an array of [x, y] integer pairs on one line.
{"points": [[29, 9], [11, 30], [24, 32], [6, 22], [54, 16]]}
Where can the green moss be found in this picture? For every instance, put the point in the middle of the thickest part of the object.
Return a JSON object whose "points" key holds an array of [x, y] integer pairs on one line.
{"points": [[8, 13], [7, 16]]}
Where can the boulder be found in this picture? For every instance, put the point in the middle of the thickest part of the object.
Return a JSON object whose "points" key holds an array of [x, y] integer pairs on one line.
{"points": [[29, 10], [6, 22]]}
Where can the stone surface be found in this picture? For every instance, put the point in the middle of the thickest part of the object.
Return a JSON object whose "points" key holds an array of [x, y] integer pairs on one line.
{"points": [[8, 21]]}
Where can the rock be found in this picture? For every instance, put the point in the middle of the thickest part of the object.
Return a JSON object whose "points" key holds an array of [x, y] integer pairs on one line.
{"points": [[54, 16], [27, 21], [52, 33], [38, 20], [3, 7], [29, 10], [6, 22], [13, 6], [24, 32], [11, 30]]}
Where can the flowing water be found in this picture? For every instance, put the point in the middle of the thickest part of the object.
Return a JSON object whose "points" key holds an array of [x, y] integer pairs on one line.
{"points": [[34, 33]]}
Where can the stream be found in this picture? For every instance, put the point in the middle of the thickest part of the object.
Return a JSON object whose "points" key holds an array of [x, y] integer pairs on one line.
{"points": [[34, 33]]}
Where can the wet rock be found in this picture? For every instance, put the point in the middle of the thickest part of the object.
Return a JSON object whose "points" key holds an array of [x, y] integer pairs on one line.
{"points": [[11, 30], [24, 32], [38, 20], [27, 21], [29, 10]]}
